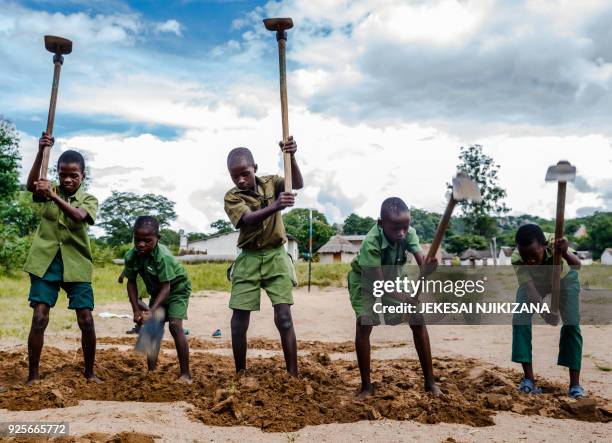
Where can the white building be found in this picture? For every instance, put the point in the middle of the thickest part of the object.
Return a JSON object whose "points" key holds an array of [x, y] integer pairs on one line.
{"points": [[586, 257], [355, 240], [505, 256], [471, 257], [224, 246], [606, 257], [337, 250]]}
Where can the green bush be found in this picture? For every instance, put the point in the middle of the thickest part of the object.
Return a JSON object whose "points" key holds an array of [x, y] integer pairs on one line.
{"points": [[101, 253], [120, 251], [13, 249]]}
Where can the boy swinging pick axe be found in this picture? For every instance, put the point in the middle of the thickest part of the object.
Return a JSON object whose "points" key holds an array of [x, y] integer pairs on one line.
{"points": [[254, 207]]}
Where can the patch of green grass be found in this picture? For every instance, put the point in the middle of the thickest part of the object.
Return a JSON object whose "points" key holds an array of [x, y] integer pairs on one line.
{"points": [[332, 274]]}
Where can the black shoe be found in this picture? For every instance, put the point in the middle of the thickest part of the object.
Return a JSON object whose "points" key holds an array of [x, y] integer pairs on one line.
{"points": [[134, 330]]}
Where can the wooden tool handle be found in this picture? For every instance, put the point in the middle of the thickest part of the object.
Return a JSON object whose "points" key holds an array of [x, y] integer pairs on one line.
{"points": [[435, 244], [442, 226], [556, 274], [284, 110], [57, 61]]}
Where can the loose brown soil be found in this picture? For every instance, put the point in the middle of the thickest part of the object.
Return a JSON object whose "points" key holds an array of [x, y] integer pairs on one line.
{"points": [[265, 397]]}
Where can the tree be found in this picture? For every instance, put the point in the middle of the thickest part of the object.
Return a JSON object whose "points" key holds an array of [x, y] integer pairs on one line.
{"points": [[169, 237], [193, 236], [458, 243], [119, 212], [222, 226], [9, 160], [425, 223], [483, 170], [21, 212], [355, 225], [296, 224], [600, 232]]}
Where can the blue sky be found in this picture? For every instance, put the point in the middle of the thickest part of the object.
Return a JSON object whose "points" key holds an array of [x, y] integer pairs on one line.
{"points": [[381, 96]]}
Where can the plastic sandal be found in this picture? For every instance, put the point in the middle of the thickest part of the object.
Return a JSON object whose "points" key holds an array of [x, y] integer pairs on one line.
{"points": [[528, 387], [576, 392]]}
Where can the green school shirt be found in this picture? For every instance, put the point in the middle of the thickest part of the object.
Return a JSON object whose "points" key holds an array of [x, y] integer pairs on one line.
{"points": [[542, 277], [376, 250], [58, 232], [158, 267], [270, 233]]}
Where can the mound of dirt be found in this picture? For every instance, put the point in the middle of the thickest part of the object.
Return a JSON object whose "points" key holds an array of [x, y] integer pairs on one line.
{"points": [[267, 398], [254, 343]]}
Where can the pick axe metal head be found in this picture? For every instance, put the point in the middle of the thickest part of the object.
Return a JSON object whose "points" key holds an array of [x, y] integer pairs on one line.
{"points": [[561, 172], [464, 188], [278, 24], [58, 45]]}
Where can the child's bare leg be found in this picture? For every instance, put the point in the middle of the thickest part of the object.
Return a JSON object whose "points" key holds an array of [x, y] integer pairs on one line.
{"points": [[40, 320], [284, 324], [528, 371], [574, 377], [423, 348], [182, 347], [88, 341], [362, 348], [240, 325]]}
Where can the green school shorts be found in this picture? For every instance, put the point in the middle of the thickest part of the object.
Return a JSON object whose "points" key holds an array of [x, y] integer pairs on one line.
{"points": [[269, 269], [363, 303], [46, 289], [175, 305]]}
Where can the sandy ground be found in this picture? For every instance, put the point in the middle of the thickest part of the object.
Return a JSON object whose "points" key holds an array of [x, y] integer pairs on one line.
{"points": [[325, 315]]}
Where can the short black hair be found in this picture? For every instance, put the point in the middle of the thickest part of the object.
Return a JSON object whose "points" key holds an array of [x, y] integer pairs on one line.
{"points": [[240, 154], [146, 221], [71, 156], [393, 205], [526, 234]]}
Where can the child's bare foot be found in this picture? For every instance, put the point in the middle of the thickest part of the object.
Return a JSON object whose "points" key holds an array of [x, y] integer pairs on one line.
{"points": [[434, 389], [93, 378], [185, 378], [33, 380], [365, 392]]}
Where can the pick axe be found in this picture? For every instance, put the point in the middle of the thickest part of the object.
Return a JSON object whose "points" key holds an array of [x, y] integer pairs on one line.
{"points": [[464, 189], [58, 46], [280, 25], [562, 173]]}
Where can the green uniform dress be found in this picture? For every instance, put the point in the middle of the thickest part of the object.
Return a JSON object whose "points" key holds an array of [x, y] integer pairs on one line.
{"points": [[158, 267], [263, 262], [376, 252], [60, 255], [570, 341]]}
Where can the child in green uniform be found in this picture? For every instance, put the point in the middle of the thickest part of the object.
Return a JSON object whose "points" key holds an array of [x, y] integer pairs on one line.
{"points": [[60, 255], [254, 207], [383, 252], [533, 263], [167, 283]]}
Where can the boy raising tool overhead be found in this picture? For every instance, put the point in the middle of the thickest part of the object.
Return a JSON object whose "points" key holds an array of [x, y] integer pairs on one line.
{"points": [[254, 206], [60, 255]]}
